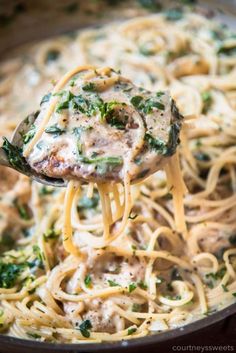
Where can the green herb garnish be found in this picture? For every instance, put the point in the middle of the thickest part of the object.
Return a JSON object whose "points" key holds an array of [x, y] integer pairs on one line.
{"points": [[224, 287], [112, 283], [9, 274], [84, 328], [131, 330], [29, 134], [33, 335], [22, 210], [136, 100], [156, 144], [217, 275], [14, 156], [67, 97], [46, 98], [96, 160], [146, 106], [39, 257], [90, 86], [132, 287], [88, 281], [54, 130], [51, 233]]}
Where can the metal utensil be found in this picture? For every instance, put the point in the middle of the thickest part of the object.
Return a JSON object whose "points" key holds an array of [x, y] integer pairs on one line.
{"points": [[17, 141]]}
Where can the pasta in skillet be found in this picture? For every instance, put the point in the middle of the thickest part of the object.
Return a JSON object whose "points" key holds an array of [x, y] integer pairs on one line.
{"points": [[153, 276]]}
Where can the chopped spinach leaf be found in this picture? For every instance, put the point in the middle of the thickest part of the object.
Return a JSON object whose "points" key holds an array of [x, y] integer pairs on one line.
{"points": [[33, 335], [54, 130], [22, 210], [146, 106], [88, 281], [29, 134], [14, 156], [85, 328], [131, 330], [38, 262], [217, 275], [97, 160], [46, 98], [51, 233], [112, 283], [132, 287], [136, 100], [152, 103], [156, 144], [9, 274], [224, 287], [90, 86], [67, 97]]}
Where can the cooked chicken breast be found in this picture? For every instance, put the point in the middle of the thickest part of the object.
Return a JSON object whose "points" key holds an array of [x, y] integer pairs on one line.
{"points": [[103, 125]]}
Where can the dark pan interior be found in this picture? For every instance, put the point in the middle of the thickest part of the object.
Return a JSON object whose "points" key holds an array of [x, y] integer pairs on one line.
{"points": [[218, 328]]}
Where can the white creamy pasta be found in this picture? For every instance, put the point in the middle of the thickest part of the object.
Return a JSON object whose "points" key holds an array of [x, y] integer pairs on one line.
{"points": [[155, 274]]}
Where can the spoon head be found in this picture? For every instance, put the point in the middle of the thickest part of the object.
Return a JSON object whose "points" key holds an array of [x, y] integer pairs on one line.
{"points": [[17, 140]]}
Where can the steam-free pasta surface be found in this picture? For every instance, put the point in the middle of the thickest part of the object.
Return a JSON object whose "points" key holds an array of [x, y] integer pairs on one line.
{"points": [[152, 277]]}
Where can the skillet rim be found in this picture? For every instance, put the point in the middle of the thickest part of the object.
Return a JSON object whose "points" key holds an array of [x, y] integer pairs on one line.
{"points": [[10, 342]]}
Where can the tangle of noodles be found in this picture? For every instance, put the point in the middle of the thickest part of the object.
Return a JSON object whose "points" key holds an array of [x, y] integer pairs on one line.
{"points": [[120, 261]]}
